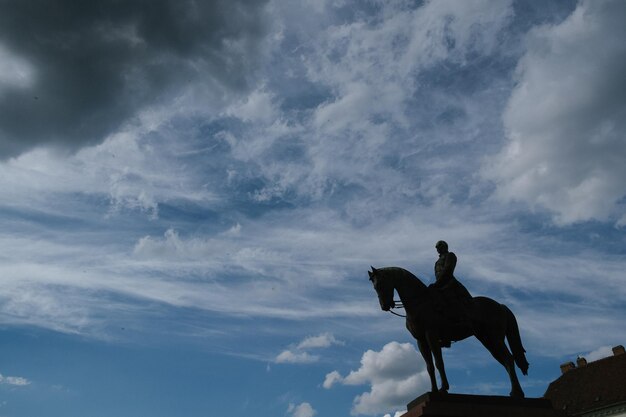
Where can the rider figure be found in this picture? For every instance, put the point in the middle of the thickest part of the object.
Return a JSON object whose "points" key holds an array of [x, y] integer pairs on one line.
{"points": [[451, 293]]}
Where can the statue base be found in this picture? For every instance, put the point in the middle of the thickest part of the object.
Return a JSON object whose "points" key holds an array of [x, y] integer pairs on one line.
{"points": [[463, 405]]}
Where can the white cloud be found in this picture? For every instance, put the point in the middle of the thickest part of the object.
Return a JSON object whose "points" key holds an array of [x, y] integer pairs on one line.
{"points": [[301, 410], [599, 353], [332, 378], [14, 380], [298, 353], [323, 340], [395, 361], [566, 118], [288, 356], [396, 375]]}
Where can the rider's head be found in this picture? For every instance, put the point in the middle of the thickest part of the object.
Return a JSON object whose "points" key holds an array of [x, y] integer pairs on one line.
{"points": [[441, 246]]}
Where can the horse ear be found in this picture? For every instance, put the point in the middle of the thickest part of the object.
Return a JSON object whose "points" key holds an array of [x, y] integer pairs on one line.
{"points": [[373, 269], [370, 274]]}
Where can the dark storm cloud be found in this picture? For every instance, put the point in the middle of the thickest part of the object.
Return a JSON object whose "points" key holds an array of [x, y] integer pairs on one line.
{"points": [[94, 64]]}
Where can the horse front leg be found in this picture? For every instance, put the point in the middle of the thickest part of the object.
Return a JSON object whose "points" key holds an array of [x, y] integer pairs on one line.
{"points": [[430, 367], [435, 347]]}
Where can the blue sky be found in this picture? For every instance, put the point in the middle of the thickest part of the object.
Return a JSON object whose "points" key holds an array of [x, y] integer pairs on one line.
{"points": [[192, 193]]}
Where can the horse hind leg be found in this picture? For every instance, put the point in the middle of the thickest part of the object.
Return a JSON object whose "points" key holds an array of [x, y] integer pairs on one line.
{"points": [[501, 353], [515, 341]]}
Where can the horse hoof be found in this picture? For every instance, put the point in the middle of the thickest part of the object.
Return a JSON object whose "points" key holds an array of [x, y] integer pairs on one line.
{"points": [[517, 394]]}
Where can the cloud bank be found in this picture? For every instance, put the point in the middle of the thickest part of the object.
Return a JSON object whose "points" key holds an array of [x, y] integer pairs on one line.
{"points": [[566, 118], [72, 75]]}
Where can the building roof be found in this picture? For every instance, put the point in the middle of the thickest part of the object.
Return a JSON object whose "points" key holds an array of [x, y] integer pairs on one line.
{"points": [[590, 386]]}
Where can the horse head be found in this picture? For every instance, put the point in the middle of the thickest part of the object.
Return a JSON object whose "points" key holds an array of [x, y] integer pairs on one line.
{"points": [[383, 287]]}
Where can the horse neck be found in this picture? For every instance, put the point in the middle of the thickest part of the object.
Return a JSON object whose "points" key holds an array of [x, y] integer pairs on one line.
{"points": [[408, 286]]}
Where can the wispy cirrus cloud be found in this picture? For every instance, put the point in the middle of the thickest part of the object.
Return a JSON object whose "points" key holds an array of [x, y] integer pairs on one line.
{"points": [[288, 356], [365, 119], [17, 381]]}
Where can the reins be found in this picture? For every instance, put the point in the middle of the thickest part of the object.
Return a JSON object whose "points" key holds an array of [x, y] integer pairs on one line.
{"points": [[396, 304]]}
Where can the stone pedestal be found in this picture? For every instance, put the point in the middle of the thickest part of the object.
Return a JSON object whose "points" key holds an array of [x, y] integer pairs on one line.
{"points": [[463, 405]]}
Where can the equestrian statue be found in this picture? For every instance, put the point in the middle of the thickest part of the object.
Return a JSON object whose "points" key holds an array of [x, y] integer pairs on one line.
{"points": [[445, 312]]}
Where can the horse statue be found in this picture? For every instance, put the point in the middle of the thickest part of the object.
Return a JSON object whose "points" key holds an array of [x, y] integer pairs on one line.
{"points": [[488, 320]]}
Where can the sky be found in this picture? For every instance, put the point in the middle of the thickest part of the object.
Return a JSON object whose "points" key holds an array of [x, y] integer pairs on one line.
{"points": [[191, 194]]}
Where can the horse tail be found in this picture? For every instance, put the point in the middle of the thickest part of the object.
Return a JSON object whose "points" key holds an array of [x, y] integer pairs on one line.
{"points": [[515, 341]]}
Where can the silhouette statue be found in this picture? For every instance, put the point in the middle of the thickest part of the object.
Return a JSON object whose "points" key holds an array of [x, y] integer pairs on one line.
{"points": [[450, 297], [483, 317]]}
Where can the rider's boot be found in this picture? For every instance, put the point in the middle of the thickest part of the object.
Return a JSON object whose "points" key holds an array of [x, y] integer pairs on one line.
{"points": [[445, 341]]}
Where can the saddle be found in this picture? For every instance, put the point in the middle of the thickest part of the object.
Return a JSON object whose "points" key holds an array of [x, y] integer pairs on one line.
{"points": [[452, 302]]}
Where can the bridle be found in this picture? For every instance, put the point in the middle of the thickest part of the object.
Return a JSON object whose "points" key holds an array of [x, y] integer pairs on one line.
{"points": [[396, 304]]}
